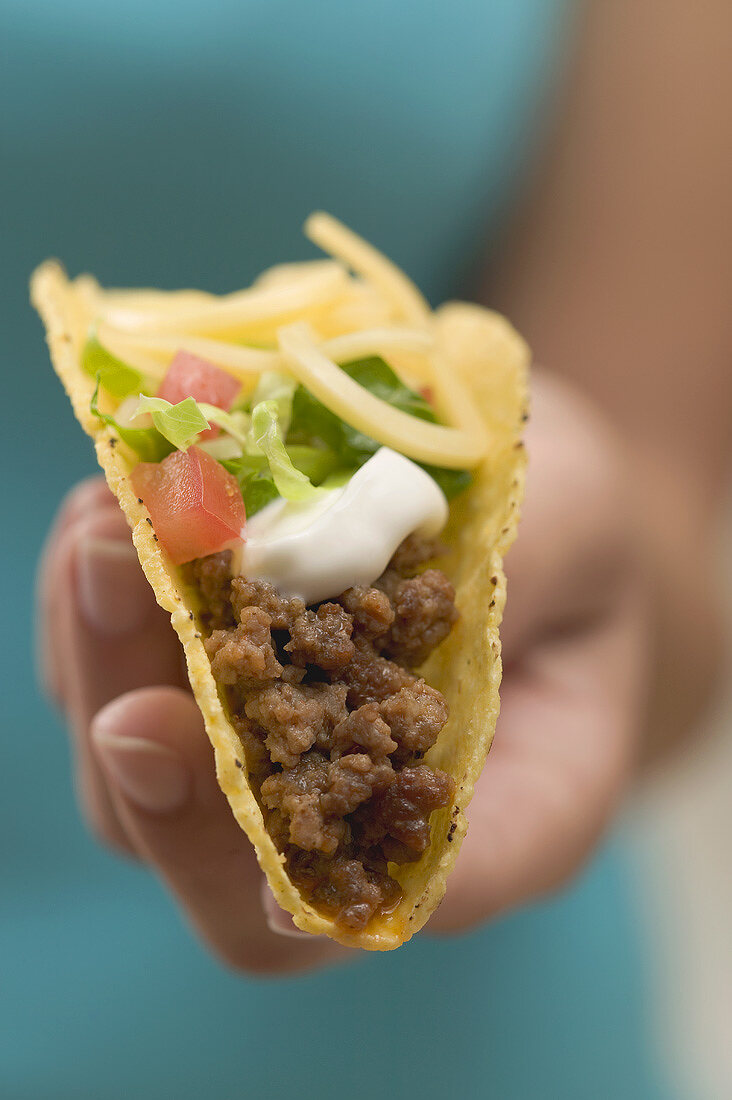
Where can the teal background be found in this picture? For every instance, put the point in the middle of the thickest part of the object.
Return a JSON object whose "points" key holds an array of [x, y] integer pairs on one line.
{"points": [[183, 144]]}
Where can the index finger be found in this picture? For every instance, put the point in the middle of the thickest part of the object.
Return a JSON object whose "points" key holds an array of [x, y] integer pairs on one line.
{"points": [[87, 498]]}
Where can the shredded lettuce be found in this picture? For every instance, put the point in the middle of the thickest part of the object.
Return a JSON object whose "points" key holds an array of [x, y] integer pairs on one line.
{"points": [[338, 479], [179, 424], [147, 443], [317, 463], [267, 470], [115, 376], [236, 424], [274, 386], [282, 442], [267, 435], [312, 422], [255, 481], [224, 447]]}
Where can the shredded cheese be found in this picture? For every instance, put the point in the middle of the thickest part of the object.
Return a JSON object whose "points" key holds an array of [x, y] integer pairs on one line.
{"points": [[418, 439], [134, 354], [288, 274], [453, 400], [234, 313], [245, 362], [317, 315], [151, 353], [156, 301], [333, 237], [377, 341]]}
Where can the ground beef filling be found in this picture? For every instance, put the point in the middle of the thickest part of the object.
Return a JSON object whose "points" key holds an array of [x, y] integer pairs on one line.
{"points": [[333, 720]]}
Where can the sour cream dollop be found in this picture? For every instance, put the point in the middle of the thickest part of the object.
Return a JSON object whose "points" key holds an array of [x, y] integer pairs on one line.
{"points": [[346, 536]]}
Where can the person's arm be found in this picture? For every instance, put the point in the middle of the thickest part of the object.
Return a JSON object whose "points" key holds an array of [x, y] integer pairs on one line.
{"points": [[618, 270]]}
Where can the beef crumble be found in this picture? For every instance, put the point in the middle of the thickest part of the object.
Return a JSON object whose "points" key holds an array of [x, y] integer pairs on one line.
{"points": [[334, 721]]}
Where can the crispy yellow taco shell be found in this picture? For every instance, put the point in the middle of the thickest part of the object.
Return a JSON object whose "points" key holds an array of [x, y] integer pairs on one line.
{"points": [[475, 346]]}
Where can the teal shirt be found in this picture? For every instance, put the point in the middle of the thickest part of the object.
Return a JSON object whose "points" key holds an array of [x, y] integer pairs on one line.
{"points": [[183, 143]]}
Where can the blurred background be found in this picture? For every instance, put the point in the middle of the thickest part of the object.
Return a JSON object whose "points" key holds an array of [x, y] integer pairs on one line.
{"points": [[182, 144]]}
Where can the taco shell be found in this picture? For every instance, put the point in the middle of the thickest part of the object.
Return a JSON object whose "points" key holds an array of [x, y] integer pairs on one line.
{"points": [[483, 350]]}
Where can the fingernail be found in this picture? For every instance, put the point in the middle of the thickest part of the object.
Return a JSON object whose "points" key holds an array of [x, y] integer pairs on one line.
{"points": [[150, 775], [278, 920], [114, 597]]}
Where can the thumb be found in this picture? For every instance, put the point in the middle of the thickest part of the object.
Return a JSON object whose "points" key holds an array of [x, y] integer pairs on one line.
{"points": [[572, 548], [159, 767]]}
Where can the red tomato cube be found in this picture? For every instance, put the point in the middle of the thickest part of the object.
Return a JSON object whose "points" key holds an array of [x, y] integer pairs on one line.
{"points": [[195, 504], [189, 376]]}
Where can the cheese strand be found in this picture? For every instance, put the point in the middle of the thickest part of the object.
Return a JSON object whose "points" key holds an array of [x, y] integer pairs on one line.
{"points": [[418, 439], [333, 237]]}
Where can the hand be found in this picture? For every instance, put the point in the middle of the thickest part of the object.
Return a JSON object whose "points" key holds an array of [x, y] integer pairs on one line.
{"points": [[575, 655], [573, 650], [144, 765]]}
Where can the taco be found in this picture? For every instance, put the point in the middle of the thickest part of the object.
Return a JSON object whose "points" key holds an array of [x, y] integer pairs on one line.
{"points": [[322, 476]]}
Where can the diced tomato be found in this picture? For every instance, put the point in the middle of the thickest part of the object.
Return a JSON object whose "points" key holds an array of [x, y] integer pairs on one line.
{"points": [[189, 376], [195, 504], [427, 393]]}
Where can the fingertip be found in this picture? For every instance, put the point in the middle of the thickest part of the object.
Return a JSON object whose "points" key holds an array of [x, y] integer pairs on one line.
{"points": [[88, 569], [88, 496], [150, 776], [114, 596], [166, 716], [278, 920], [194, 840], [168, 722]]}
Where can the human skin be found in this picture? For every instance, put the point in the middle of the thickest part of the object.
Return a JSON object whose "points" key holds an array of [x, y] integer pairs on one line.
{"points": [[574, 653], [618, 269]]}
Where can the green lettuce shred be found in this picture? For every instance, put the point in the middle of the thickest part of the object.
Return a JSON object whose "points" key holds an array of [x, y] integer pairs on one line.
{"points": [[147, 443], [277, 387], [236, 423], [267, 436], [257, 483], [312, 422], [180, 424], [291, 444], [115, 376]]}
